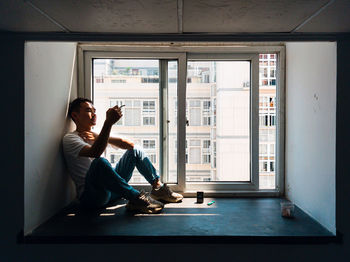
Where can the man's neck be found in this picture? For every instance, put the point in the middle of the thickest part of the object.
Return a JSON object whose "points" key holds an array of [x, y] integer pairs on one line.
{"points": [[83, 129]]}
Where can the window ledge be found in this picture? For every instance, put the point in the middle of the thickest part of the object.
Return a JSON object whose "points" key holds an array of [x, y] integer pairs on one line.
{"points": [[228, 220]]}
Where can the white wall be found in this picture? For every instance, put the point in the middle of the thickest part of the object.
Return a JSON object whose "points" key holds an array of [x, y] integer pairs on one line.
{"points": [[310, 129], [50, 80]]}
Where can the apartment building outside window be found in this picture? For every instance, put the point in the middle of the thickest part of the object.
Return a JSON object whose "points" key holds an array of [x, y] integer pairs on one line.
{"points": [[267, 120]]}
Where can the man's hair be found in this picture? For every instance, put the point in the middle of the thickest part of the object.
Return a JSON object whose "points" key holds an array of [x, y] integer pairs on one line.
{"points": [[74, 106]]}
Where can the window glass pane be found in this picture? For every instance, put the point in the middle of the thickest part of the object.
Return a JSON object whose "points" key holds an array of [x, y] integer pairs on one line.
{"points": [[135, 84], [149, 121], [267, 121], [218, 99]]}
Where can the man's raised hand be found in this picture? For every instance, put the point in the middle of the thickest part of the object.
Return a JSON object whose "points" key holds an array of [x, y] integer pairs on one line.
{"points": [[113, 115]]}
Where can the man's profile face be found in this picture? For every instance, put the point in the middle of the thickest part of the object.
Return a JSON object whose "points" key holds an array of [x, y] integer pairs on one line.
{"points": [[86, 115]]}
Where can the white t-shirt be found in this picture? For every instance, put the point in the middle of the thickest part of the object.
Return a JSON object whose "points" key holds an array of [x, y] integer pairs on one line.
{"points": [[77, 165]]}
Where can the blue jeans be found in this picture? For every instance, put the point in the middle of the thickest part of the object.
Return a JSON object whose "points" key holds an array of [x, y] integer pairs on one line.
{"points": [[104, 184]]}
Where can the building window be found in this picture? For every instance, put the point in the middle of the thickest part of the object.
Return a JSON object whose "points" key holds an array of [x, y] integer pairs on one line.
{"points": [[263, 166], [149, 121], [149, 144], [206, 152], [149, 112], [148, 107], [206, 158], [267, 112], [206, 144], [206, 120], [272, 72], [267, 166], [206, 113], [206, 106]]}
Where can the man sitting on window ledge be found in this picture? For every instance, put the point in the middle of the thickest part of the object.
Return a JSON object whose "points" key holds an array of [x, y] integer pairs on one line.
{"points": [[97, 182]]}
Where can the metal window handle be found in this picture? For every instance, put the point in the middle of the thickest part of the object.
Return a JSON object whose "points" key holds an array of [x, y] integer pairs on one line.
{"points": [[187, 123]]}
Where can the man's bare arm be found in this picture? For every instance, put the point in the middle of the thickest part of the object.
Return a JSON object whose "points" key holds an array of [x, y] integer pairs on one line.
{"points": [[100, 143], [115, 141], [121, 143]]}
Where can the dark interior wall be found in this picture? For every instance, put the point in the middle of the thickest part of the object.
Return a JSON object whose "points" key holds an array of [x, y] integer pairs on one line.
{"points": [[12, 145], [343, 142], [12, 184]]}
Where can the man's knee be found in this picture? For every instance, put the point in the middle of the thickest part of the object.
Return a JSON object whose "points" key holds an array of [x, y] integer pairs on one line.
{"points": [[136, 152]]}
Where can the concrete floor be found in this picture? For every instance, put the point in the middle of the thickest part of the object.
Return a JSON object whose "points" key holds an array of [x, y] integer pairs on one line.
{"points": [[236, 219]]}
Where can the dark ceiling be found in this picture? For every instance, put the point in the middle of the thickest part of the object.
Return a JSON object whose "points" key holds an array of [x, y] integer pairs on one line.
{"points": [[176, 16]]}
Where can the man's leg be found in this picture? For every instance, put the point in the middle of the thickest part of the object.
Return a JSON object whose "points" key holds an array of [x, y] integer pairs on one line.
{"points": [[101, 182], [136, 157]]}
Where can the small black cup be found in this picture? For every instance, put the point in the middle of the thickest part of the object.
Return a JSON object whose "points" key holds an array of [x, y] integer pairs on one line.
{"points": [[200, 197]]}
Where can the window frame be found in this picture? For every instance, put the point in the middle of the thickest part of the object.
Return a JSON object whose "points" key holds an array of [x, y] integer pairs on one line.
{"points": [[184, 53]]}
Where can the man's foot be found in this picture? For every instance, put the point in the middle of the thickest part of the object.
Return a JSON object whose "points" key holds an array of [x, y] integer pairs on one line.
{"points": [[164, 193], [144, 204]]}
